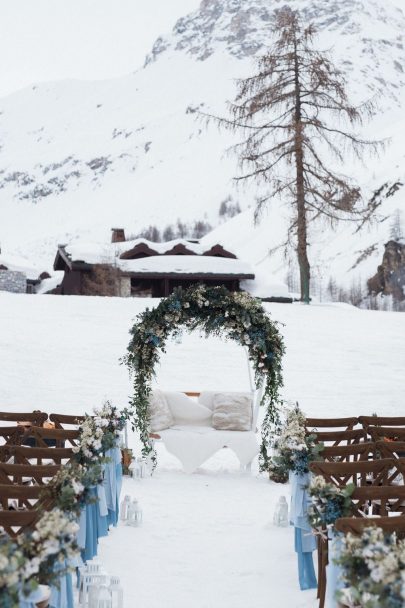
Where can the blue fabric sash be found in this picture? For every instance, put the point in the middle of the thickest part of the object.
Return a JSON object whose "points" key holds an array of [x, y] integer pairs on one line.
{"points": [[304, 540], [112, 484], [333, 571]]}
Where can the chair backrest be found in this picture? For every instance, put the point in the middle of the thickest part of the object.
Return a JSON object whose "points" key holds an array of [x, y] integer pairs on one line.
{"points": [[20, 473], [356, 525], [335, 438], [20, 495], [391, 449], [40, 456], [371, 472], [15, 522], [379, 500], [382, 421], [42, 437], [63, 420], [378, 433], [349, 453], [37, 418], [344, 424], [11, 435]]}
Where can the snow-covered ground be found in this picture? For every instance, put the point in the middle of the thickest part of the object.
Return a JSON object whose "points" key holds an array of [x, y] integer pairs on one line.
{"points": [[207, 539]]}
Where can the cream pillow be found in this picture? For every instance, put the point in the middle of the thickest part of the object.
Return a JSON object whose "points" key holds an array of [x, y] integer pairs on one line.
{"points": [[159, 414], [187, 411], [232, 412]]}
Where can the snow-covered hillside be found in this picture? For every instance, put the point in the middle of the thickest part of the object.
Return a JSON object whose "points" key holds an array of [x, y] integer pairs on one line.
{"points": [[80, 157]]}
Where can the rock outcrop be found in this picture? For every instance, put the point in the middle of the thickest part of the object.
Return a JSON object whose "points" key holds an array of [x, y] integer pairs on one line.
{"points": [[390, 276]]}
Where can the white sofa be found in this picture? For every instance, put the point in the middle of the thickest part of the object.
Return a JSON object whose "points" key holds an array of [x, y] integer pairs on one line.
{"points": [[192, 438]]}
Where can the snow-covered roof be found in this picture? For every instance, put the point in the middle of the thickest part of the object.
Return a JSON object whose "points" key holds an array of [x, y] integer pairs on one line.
{"points": [[19, 265], [104, 253], [187, 264]]}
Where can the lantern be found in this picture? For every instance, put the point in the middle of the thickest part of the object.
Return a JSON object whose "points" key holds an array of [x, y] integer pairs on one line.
{"points": [[135, 469], [124, 507], [280, 517], [134, 517], [100, 596], [117, 593]]}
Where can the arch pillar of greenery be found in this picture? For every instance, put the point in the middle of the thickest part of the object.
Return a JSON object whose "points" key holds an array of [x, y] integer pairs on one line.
{"points": [[217, 312]]}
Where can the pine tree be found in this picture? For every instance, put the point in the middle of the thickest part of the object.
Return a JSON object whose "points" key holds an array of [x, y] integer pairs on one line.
{"points": [[290, 114]]}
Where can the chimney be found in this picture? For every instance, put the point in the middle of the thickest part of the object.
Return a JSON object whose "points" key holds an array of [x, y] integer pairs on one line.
{"points": [[118, 235]]}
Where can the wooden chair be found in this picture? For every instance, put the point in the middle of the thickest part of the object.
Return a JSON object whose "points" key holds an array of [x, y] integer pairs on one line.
{"points": [[345, 424], [361, 473], [391, 449], [11, 435], [349, 453], [356, 525], [41, 437], [335, 438], [397, 421], [40, 456], [368, 476], [36, 418], [379, 433], [61, 421], [15, 522], [27, 473], [22, 494], [379, 500]]}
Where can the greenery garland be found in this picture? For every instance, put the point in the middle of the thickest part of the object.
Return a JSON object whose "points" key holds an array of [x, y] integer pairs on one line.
{"points": [[217, 312]]}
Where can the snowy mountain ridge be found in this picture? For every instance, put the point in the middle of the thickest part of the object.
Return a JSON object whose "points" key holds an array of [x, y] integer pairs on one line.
{"points": [[81, 157]]}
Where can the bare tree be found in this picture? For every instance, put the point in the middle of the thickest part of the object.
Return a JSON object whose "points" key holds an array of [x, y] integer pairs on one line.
{"points": [[290, 114]]}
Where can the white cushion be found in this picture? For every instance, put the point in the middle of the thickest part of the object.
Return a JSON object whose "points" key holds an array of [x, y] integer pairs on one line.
{"points": [[207, 397], [232, 412], [159, 414], [187, 411]]}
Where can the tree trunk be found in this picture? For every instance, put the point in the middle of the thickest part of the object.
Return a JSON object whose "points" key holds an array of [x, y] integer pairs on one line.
{"points": [[301, 209]]}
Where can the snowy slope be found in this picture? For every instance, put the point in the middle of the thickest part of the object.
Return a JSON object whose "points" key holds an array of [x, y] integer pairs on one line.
{"points": [[80, 157]]}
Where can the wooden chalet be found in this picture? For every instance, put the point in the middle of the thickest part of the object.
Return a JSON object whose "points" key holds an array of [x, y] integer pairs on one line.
{"points": [[146, 269]]}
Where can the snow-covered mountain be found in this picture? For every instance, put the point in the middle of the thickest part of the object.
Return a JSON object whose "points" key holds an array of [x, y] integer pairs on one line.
{"points": [[78, 158]]}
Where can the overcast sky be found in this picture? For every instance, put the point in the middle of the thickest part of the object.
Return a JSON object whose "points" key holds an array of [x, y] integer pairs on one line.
{"points": [[88, 39]]}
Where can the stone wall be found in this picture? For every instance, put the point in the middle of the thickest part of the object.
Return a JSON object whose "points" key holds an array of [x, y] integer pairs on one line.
{"points": [[11, 280]]}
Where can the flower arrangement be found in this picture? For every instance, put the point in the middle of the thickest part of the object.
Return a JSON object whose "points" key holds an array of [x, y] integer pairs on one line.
{"points": [[328, 502], [373, 566], [31, 558], [294, 449], [98, 434], [217, 312]]}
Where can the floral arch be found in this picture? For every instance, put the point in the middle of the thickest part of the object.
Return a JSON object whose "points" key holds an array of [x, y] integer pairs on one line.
{"points": [[217, 312]]}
